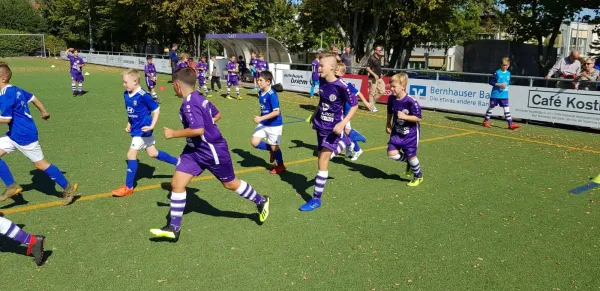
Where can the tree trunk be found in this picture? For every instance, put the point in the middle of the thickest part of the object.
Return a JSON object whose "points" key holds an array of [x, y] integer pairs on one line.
{"points": [[394, 57], [406, 52], [546, 62], [353, 40], [371, 39]]}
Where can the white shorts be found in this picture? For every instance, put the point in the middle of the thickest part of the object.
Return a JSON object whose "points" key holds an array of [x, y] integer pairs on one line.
{"points": [[140, 143], [271, 133], [32, 151], [348, 126]]}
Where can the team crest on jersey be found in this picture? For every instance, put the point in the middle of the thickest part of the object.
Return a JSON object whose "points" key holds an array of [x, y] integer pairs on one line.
{"points": [[134, 103], [405, 111], [332, 98], [204, 103], [325, 107]]}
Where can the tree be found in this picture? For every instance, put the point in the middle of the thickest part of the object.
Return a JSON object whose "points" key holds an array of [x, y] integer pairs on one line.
{"points": [[538, 19], [20, 15]]}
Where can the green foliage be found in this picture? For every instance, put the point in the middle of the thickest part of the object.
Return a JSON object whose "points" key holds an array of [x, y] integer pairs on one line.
{"points": [[54, 45], [18, 46], [20, 15]]}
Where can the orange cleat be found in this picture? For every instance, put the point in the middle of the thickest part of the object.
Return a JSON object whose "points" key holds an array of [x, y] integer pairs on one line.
{"points": [[513, 126], [487, 124], [123, 191], [277, 170]]}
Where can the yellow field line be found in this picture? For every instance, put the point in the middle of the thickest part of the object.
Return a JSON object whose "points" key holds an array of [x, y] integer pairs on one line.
{"points": [[479, 132], [201, 178]]}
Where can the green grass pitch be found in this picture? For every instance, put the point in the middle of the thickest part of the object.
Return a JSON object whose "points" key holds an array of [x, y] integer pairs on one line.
{"points": [[493, 213]]}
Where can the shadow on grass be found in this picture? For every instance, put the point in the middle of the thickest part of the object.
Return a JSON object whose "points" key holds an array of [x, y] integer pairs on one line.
{"points": [[8, 245]]}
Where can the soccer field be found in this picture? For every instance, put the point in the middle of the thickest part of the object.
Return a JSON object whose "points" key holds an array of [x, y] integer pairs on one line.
{"points": [[493, 213]]}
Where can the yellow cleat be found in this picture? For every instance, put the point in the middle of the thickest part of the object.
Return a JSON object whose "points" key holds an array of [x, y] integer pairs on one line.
{"points": [[229, 97], [415, 182], [263, 210], [239, 97]]}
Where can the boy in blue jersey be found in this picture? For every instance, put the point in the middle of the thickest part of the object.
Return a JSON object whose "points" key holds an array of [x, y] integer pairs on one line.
{"points": [[402, 124], [76, 73], [143, 113], [329, 121], [22, 135], [150, 74], [270, 123], [253, 62], [500, 82]]}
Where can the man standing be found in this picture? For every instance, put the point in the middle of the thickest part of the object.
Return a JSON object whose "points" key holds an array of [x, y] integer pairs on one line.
{"points": [[376, 84], [174, 59], [335, 50], [347, 60], [567, 68]]}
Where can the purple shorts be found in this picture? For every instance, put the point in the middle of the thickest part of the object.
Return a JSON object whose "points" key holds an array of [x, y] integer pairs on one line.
{"points": [[150, 83], [232, 81], [201, 81], [328, 140], [191, 162], [77, 77], [501, 102], [409, 147]]}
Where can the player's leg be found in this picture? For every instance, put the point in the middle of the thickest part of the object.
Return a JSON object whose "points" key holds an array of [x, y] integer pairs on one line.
{"points": [[320, 180], [34, 243], [237, 88], [12, 188], [274, 134], [154, 153], [224, 172], [177, 206], [257, 142], [488, 113], [35, 154], [340, 144], [137, 144], [204, 86], [415, 166], [229, 84], [73, 85], [219, 84], [80, 81], [504, 105]]}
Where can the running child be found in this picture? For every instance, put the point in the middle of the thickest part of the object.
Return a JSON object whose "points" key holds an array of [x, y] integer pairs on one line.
{"points": [[500, 82], [76, 72], [232, 78], [150, 76], [270, 122], [206, 149], [201, 68], [143, 113], [22, 136], [403, 117]]}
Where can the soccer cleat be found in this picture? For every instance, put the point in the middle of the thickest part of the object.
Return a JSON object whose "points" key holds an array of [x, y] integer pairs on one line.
{"points": [[409, 171], [311, 205], [123, 191], [308, 119], [263, 210], [69, 194], [356, 155], [229, 97], [36, 247], [239, 97], [11, 191], [278, 169], [487, 124], [375, 109], [74, 93], [415, 182], [513, 126], [349, 153], [166, 232], [209, 95]]}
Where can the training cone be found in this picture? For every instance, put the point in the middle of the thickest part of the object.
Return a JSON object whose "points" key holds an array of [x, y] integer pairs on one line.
{"points": [[87, 74], [161, 88], [596, 179], [53, 66]]}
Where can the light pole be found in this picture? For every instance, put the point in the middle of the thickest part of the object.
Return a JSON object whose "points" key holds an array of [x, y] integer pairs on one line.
{"points": [[90, 26]]}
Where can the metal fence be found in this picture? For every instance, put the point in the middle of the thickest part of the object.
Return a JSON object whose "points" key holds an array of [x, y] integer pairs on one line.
{"points": [[531, 81], [163, 56]]}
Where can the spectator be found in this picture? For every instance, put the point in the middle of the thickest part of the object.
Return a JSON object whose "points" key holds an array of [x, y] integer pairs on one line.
{"points": [[376, 84], [335, 50], [567, 68], [588, 74], [347, 59], [174, 59]]}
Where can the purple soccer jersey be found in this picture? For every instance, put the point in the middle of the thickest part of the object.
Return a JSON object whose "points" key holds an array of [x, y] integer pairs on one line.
{"points": [[201, 68], [209, 151], [181, 64], [262, 66], [315, 70], [150, 74], [254, 63], [76, 72], [232, 77], [405, 134], [332, 97]]}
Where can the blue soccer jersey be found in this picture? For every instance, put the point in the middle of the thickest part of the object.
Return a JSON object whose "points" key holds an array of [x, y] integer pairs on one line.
{"points": [[354, 91], [269, 102], [13, 106], [500, 77], [139, 106]]}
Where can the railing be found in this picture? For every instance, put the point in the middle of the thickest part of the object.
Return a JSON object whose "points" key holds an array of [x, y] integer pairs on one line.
{"points": [[163, 56], [531, 81]]}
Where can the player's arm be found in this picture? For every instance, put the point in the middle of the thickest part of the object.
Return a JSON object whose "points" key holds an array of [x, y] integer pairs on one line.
{"points": [[216, 117], [273, 114], [350, 97], [153, 106], [38, 104], [188, 132], [365, 101]]}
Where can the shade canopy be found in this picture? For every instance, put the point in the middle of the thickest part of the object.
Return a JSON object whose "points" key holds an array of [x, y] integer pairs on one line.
{"points": [[243, 44]]}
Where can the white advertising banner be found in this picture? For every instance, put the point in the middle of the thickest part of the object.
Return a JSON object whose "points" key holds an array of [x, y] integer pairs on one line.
{"points": [[162, 65], [455, 96], [298, 81]]}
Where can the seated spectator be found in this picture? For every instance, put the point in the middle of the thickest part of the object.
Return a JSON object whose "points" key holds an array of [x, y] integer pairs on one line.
{"points": [[566, 68], [589, 74]]}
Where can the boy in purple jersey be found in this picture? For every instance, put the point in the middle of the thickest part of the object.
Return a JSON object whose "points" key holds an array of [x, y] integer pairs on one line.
{"points": [[201, 68], [142, 113], [232, 78], [314, 81], [76, 73], [255, 75], [329, 121], [206, 149], [183, 61], [150, 74], [261, 65], [404, 115], [23, 135]]}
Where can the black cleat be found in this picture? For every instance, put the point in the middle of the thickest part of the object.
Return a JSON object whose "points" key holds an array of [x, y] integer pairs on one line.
{"points": [[36, 247], [263, 210]]}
